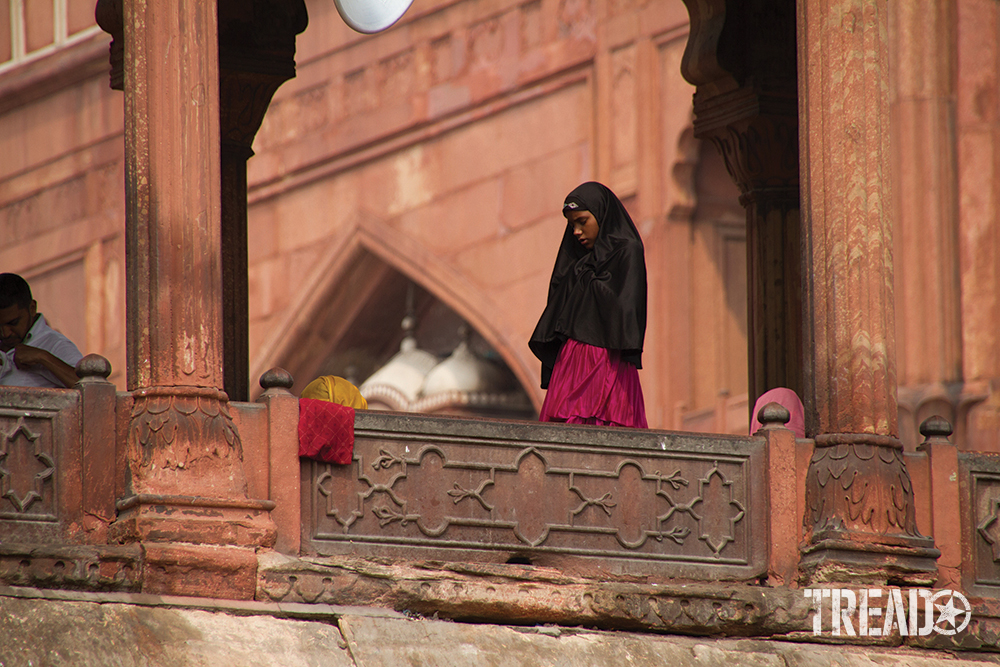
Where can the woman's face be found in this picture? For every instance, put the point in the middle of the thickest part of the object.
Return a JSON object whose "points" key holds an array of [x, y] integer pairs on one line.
{"points": [[584, 226]]}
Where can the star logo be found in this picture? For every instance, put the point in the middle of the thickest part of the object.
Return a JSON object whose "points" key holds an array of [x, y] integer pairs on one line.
{"points": [[957, 608]]}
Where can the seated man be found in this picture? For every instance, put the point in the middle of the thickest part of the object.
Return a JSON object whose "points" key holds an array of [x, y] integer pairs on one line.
{"points": [[31, 353]]}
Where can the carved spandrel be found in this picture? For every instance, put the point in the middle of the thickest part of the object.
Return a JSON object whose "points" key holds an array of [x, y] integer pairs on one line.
{"points": [[27, 470], [659, 507]]}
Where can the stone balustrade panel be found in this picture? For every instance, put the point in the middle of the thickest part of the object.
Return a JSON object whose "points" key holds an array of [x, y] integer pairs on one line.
{"points": [[979, 497], [39, 467], [619, 500]]}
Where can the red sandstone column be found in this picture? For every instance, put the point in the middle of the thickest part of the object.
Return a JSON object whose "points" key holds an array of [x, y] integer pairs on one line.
{"points": [[184, 453], [978, 113], [925, 208], [172, 194], [860, 516]]}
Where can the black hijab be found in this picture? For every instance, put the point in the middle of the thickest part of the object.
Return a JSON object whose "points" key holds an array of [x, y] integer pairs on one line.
{"points": [[596, 296]]}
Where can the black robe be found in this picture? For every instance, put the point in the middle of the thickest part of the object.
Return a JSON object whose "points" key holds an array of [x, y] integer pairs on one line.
{"points": [[596, 296]]}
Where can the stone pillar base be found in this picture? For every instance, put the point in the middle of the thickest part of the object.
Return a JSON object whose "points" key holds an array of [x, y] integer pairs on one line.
{"points": [[858, 558], [197, 570], [150, 518], [860, 518]]}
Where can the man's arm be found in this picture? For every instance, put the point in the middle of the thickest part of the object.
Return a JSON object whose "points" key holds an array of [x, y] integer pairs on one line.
{"points": [[27, 357]]}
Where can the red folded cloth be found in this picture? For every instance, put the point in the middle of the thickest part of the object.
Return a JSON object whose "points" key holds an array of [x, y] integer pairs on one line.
{"points": [[326, 431]]}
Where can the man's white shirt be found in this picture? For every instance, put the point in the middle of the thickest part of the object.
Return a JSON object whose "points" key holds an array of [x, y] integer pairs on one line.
{"points": [[44, 337]]}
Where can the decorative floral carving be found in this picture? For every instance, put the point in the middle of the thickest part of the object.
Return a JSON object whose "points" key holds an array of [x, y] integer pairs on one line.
{"points": [[189, 429], [677, 534], [385, 460], [862, 487], [387, 515], [162, 418], [604, 502], [101, 568], [460, 494], [533, 501], [675, 480]]}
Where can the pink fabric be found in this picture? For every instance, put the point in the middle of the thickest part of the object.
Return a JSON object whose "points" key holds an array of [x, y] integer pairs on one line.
{"points": [[791, 401], [326, 431], [592, 385]]}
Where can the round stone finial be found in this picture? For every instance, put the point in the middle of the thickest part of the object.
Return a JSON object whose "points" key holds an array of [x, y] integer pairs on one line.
{"points": [[277, 378], [93, 366], [774, 414], [936, 426]]}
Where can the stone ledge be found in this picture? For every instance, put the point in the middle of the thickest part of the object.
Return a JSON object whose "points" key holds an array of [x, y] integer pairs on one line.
{"points": [[45, 631], [234, 607], [100, 568], [529, 595], [83, 58], [516, 594]]}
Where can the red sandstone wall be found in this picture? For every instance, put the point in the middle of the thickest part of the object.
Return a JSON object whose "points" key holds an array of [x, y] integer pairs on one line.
{"points": [[62, 193], [443, 148]]}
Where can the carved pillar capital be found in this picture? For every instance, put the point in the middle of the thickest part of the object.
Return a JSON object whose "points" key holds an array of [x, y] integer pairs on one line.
{"points": [[762, 157]]}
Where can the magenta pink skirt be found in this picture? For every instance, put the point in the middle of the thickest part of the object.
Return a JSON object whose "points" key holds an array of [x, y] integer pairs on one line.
{"points": [[592, 385]]}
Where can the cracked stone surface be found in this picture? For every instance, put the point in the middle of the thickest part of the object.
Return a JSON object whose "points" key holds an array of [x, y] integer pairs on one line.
{"points": [[103, 631]]}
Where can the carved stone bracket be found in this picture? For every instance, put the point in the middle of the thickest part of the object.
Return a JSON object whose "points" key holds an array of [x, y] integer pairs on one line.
{"points": [[256, 55], [742, 58]]}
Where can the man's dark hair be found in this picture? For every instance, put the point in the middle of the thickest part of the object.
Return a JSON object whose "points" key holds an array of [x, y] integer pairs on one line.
{"points": [[14, 291]]}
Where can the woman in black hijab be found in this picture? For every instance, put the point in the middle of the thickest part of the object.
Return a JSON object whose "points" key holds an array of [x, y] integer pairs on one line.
{"points": [[590, 335]]}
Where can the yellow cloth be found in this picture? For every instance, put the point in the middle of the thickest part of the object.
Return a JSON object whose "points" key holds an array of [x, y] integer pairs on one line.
{"points": [[336, 390]]}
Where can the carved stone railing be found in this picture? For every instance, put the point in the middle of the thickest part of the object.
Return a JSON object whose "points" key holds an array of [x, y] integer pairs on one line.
{"points": [[593, 501], [58, 484], [573, 497]]}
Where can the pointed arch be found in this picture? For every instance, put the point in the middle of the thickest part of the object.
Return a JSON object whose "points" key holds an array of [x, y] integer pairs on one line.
{"points": [[340, 286]]}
